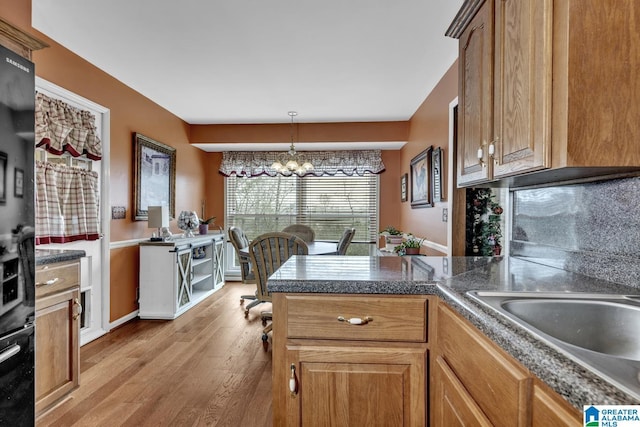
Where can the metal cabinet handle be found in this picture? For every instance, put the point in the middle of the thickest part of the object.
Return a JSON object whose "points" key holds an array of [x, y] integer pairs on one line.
{"points": [[48, 282], [356, 320], [492, 149], [481, 156], [76, 303], [9, 353]]}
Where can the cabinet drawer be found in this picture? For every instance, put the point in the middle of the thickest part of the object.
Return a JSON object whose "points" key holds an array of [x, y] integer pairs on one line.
{"points": [[393, 318], [488, 375], [52, 278]]}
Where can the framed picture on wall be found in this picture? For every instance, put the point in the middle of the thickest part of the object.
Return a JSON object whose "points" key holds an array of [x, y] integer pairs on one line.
{"points": [[155, 176], [420, 180], [436, 172], [3, 177], [404, 187], [18, 183]]}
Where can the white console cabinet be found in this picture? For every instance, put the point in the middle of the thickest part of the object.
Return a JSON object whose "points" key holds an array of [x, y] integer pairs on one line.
{"points": [[176, 275]]}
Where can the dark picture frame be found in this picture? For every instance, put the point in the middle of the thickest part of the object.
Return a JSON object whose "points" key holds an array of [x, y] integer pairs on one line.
{"points": [[420, 180], [18, 183], [154, 176], [436, 172], [404, 187], [3, 177]]}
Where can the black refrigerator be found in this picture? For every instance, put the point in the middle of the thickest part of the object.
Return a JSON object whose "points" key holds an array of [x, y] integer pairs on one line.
{"points": [[17, 264]]}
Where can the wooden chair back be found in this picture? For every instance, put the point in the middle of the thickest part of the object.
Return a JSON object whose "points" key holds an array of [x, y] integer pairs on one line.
{"points": [[268, 252], [345, 240], [305, 232]]}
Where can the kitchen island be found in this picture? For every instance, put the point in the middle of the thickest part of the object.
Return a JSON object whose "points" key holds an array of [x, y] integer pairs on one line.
{"points": [[447, 280]]}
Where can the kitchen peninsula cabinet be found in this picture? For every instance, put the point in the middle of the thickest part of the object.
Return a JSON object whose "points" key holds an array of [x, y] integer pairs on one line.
{"points": [[350, 359], [58, 312], [178, 274], [540, 90]]}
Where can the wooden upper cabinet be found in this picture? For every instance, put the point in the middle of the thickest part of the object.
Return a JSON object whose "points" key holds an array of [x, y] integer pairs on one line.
{"points": [[475, 106], [560, 74], [18, 41], [522, 86]]}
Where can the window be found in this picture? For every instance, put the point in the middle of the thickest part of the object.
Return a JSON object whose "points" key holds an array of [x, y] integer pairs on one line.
{"points": [[328, 204]]}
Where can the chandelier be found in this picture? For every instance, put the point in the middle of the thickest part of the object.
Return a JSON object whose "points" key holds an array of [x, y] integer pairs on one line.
{"points": [[294, 163]]}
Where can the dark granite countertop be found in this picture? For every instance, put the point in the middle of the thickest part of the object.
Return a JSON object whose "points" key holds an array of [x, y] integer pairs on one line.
{"points": [[52, 256], [450, 279]]}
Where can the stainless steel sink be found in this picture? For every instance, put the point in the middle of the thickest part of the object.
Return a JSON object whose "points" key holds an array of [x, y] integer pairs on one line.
{"points": [[600, 332]]}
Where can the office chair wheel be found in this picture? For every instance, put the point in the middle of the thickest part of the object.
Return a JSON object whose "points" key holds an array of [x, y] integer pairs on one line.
{"points": [[264, 321], [241, 301], [265, 342], [246, 314]]}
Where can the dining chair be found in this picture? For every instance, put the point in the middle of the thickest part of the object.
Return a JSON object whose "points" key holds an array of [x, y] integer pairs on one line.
{"points": [[268, 252], [345, 240], [305, 232], [240, 240]]}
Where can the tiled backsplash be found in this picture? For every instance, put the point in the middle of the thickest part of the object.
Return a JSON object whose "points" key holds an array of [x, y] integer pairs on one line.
{"points": [[591, 228]]}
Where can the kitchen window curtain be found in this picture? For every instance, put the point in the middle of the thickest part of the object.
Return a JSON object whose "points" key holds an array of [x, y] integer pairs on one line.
{"points": [[67, 204], [326, 163], [61, 128]]}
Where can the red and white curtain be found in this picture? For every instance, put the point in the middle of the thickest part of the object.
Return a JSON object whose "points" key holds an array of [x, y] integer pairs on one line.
{"points": [[67, 204], [61, 128]]}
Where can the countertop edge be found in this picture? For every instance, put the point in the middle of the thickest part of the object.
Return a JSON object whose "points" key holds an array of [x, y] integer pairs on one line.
{"points": [[46, 256]]}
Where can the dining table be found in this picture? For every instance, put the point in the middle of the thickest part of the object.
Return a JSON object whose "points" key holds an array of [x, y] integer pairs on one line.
{"points": [[315, 248]]}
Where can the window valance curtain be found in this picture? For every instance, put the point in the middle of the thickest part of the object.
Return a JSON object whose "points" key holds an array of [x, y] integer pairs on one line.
{"points": [[67, 204], [61, 127], [257, 163]]}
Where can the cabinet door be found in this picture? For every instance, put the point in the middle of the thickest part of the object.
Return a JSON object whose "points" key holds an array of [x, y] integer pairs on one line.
{"points": [[358, 386], [475, 92], [549, 409], [452, 404], [522, 89], [57, 346], [183, 278]]}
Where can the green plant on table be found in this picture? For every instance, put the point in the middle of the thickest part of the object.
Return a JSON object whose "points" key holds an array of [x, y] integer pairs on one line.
{"points": [[390, 230], [208, 220]]}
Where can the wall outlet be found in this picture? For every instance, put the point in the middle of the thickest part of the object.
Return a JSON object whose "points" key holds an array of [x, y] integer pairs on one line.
{"points": [[445, 214], [118, 212]]}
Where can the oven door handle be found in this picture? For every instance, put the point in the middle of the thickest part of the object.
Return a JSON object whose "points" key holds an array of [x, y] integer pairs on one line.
{"points": [[9, 352]]}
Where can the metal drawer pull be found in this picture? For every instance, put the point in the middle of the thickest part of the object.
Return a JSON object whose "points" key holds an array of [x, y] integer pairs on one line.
{"points": [[293, 381], [356, 320], [48, 282]]}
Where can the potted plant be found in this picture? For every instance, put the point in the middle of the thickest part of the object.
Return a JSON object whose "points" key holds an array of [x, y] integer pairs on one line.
{"points": [[411, 246], [203, 228], [392, 237]]}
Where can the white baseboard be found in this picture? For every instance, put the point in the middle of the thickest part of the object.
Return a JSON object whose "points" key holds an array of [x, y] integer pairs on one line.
{"points": [[123, 319]]}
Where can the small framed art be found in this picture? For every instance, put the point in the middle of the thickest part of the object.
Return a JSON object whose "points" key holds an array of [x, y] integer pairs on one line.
{"points": [[18, 183], [404, 188], [420, 177]]}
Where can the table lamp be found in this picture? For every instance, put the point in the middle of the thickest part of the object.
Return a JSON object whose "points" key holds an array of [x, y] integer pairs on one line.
{"points": [[158, 217]]}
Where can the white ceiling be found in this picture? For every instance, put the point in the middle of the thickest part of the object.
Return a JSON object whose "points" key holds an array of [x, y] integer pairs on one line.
{"points": [[244, 61]]}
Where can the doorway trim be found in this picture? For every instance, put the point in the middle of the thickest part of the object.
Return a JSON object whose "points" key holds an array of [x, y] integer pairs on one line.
{"points": [[105, 201]]}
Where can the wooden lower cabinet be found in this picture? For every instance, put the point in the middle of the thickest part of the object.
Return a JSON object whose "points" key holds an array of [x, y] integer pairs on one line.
{"points": [[475, 383], [369, 377], [57, 333]]}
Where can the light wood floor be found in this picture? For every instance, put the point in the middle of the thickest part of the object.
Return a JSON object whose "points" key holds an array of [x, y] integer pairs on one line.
{"points": [[207, 367]]}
